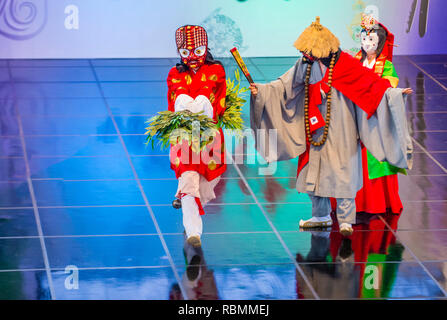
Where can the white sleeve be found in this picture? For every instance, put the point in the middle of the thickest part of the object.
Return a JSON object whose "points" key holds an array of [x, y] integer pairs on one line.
{"points": [[203, 104], [183, 102]]}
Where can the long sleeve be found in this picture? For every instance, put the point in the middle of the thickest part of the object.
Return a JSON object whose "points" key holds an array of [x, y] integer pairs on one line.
{"points": [[202, 103], [389, 73], [200, 91], [213, 86], [279, 105], [183, 102], [177, 85], [204, 91], [386, 134]]}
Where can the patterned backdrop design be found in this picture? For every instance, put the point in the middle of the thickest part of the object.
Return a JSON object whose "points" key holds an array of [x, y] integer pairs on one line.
{"points": [[145, 28], [22, 19], [223, 33]]}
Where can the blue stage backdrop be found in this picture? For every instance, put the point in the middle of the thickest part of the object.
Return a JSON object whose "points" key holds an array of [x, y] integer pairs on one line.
{"points": [[145, 28]]}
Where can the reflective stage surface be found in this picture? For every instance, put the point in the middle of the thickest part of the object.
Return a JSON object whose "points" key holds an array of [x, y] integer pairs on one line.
{"points": [[85, 207]]}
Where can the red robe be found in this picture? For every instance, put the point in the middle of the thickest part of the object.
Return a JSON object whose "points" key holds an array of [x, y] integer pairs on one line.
{"points": [[209, 81], [381, 194], [378, 195]]}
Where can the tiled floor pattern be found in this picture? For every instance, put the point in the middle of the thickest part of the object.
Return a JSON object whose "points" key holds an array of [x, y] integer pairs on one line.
{"points": [[80, 191]]}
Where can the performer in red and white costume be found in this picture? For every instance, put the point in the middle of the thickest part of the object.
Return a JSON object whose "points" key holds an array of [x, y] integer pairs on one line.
{"points": [[197, 84]]}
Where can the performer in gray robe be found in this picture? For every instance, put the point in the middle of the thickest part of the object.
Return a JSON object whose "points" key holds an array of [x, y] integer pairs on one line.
{"points": [[334, 169]]}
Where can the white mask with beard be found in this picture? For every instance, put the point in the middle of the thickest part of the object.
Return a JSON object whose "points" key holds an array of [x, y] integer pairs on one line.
{"points": [[370, 42]]}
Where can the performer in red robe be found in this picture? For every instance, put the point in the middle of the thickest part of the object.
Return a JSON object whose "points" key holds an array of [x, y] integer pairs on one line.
{"points": [[380, 192], [197, 84]]}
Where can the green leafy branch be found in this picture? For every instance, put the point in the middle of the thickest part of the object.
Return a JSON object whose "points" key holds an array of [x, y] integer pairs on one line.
{"points": [[169, 127], [231, 118]]}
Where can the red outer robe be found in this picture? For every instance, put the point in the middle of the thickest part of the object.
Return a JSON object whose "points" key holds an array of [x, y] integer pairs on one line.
{"points": [[377, 195], [381, 194], [209, 81], [359, 84]]}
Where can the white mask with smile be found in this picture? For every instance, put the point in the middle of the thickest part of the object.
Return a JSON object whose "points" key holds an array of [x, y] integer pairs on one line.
{"points": [[370, 42]]}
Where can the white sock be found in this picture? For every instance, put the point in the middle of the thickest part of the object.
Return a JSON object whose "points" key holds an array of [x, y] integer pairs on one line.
{"points": [[191, 217]]}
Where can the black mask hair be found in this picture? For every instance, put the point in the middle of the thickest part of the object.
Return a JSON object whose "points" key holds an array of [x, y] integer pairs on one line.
{"points": [[327, 61], [381, 32]]}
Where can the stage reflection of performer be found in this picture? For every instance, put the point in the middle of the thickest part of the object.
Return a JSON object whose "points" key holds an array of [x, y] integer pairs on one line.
{"points": [[363, 265], [321, 109], [196, 84], [198, 281], [329, 279], [380, 192]]}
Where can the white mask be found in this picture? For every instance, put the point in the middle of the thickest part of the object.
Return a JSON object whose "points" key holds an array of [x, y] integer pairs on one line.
{"points": [[370, 42]]}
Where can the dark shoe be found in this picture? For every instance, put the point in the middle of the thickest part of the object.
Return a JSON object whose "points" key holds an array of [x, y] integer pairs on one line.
{"points": [[193, 269], [177, 204], [346, 249]]}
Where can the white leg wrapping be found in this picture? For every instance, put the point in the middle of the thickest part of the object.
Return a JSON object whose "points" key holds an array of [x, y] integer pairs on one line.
{"points": [[191, 217]]}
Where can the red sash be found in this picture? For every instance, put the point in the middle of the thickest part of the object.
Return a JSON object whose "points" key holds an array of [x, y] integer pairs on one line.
{"points": [[359, 84]]}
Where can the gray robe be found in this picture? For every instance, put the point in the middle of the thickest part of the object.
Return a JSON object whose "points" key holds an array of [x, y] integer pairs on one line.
{"points": [[334, 169]]}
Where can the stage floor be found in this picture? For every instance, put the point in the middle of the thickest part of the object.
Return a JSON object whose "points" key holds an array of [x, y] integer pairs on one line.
{"points": [[81, 197]]}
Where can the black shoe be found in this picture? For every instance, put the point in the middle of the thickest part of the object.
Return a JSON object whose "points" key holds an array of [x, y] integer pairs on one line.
{"points": [[346, 249], [177, 204], [192, 271]]}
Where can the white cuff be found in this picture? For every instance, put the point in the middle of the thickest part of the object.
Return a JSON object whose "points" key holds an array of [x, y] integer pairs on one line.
{"points": [[183, 102], [203, 104]]}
